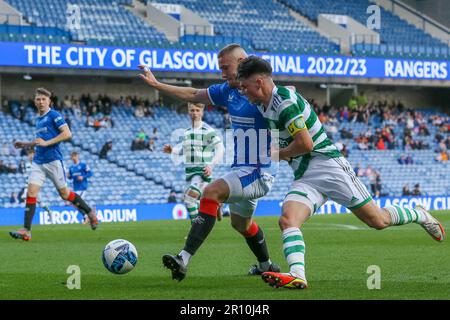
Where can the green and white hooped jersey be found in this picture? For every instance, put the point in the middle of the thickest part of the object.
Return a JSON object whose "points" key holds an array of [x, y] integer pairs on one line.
{"points": [[198, 149], [288, 112]]}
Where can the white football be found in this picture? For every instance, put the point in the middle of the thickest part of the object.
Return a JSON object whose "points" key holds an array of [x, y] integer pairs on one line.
{"points": [[120, 256]]}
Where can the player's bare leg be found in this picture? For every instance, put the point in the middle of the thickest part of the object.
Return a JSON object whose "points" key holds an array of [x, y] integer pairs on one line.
{"points": [[254, 236], [79, 203], [381, 218], [294, 214], [30, 209]]}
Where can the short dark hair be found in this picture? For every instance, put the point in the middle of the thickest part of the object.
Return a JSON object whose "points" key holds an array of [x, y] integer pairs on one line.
{"points": [[43, 91], [253, 65], [227, 49], [74, 152]]}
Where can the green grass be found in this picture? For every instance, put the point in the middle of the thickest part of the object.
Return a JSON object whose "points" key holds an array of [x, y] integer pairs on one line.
{"points": [[413, 266]]}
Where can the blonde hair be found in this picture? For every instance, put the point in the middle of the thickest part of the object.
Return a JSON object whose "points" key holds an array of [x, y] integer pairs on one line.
{"points": [[196, 104], [43, 92]]}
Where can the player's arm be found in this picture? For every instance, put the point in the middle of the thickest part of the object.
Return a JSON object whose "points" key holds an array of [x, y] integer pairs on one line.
{"points": [[292, 119], [87, 172], [65, 134], [24, 144], [302, 144], [187, 94], [69, 174], [218, 154]]}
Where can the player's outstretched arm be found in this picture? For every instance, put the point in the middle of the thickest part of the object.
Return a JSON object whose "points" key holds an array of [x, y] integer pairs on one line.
{"points": [[187, 94], [24, 144], [65, 134]]}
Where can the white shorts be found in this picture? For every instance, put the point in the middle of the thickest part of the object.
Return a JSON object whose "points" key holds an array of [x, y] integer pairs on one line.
{"points": [[246, 186], [53, 170], [331, 178], [196, 183]]}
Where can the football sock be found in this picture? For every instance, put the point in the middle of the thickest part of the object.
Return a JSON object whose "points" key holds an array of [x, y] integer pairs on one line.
{"points": [[254, 237], [202, 225], [294, 251], [192, 208], [185, 256], [404, 215], [79, 203], [30, 209]]}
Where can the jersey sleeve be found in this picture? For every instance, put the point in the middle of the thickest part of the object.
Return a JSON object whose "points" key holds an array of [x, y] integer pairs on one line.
{"points": [[217, 94], [87, 171], [292, 119], [58, 120], [214, 138]]}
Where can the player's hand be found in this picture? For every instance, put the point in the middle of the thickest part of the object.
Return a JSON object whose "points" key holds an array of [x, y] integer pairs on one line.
{"points": [[80, 178], [207, 171], [40, 142], [19, 144], [275, 154], [147, 76], [167, 148]]}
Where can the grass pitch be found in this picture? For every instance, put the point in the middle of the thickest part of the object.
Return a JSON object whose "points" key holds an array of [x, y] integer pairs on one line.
{"points": [[339, 250]]}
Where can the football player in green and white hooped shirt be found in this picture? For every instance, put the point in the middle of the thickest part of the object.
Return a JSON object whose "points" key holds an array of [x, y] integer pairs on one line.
{"points": [[320, 171], [202, 149]]}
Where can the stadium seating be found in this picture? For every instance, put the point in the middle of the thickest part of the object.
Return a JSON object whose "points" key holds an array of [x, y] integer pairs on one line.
{"points": [[267, 24], [130, 177], [398, 37], [104, 21], [263, 25]]}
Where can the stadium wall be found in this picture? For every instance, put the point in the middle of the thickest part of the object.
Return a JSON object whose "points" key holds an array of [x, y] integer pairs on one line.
{"points": [[128, 213]]}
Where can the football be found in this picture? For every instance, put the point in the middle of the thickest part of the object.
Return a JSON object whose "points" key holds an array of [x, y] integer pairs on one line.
{"points": [[120, 256]]}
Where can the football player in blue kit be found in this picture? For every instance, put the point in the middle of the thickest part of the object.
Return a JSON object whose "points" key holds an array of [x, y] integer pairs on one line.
{"points": [[252, 173], [51, 130], [80, 173]]}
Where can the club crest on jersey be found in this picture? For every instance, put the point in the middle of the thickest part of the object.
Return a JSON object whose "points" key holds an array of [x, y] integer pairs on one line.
{"points": [[296, 126]]}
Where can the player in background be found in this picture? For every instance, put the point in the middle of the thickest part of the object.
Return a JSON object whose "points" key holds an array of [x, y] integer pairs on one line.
{"points": [[51, 129], [24, 191], [202, 149], [252, 173], [320, 172], [79, 172]]}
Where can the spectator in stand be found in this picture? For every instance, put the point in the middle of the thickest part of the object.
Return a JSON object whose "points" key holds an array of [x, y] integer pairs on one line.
{"points": [[361, 99], [373, 175], [139, 112], [359, 171], [105, 149], [172, 197], [352, 103], [405, 191], [14, 199], [380, 144], [345, 152], [442, 157], [401, 159], [416, 191], [22, 167], [155, 134], [378, 185], [409, 160], [140, 142], [345, 114]]}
